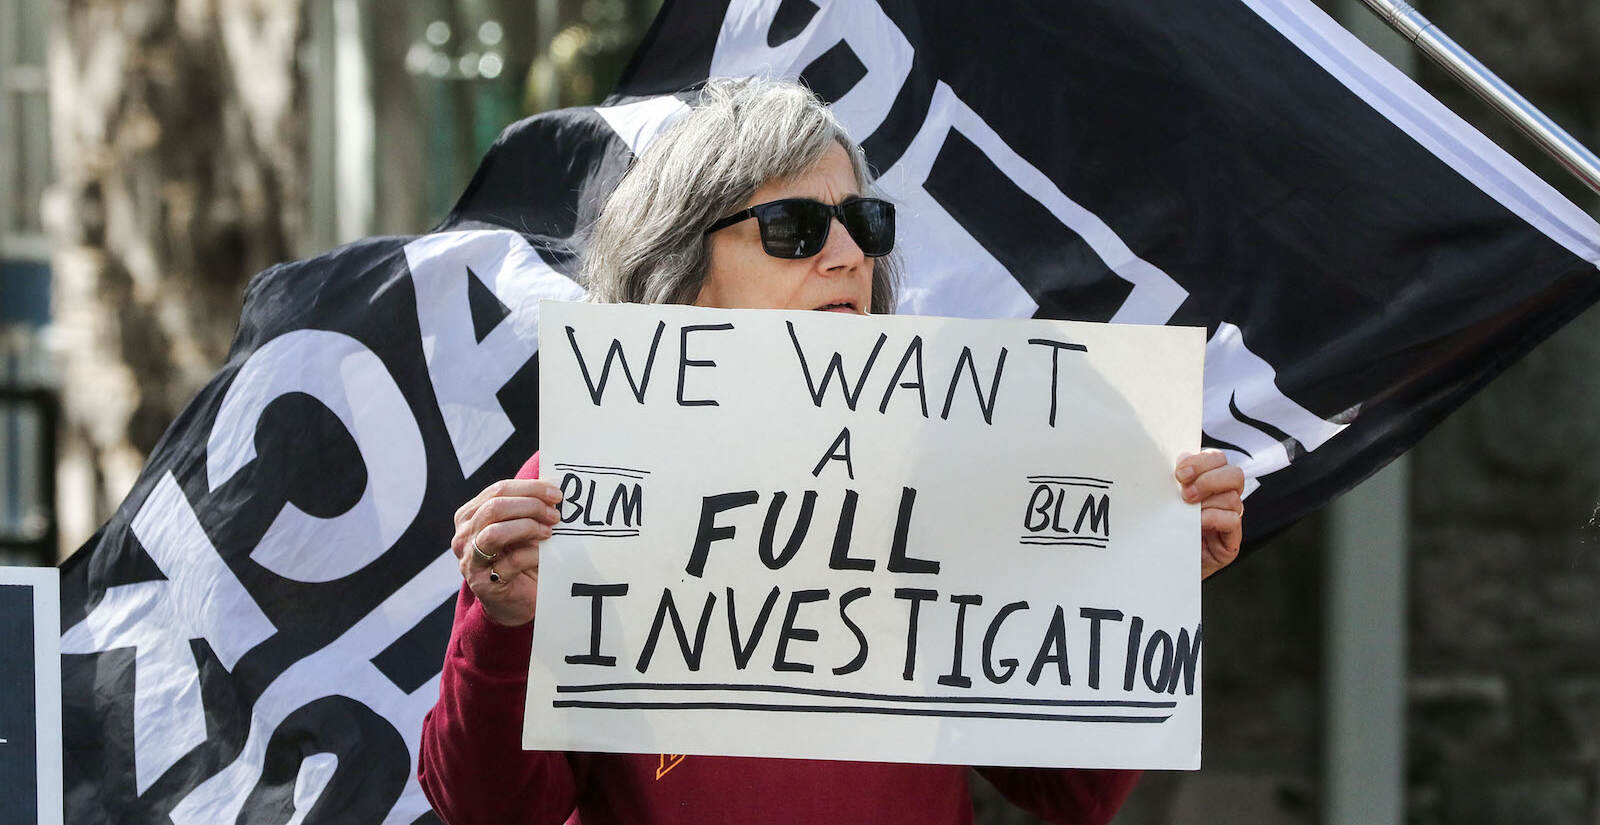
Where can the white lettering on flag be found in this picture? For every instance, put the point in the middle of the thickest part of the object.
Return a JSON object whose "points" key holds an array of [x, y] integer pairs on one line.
{"points": [[466, 373], [354, 385], [639, 122], [343, 668], [201, 599], [1238, 378], [861, 25]]}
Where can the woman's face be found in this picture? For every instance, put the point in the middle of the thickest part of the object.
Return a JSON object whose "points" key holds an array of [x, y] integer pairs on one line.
{"points": [[837, 279]]}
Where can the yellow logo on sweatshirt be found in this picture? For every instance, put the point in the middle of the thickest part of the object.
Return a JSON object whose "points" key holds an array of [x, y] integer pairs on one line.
{"points": [[668, 762]]}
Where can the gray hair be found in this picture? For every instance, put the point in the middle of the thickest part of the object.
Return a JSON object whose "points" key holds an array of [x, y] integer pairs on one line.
{"points": [[649, 244]]}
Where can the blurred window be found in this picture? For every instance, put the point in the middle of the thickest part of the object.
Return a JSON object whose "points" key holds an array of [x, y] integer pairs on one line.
{"points": [[28, 409], [476, 66], [24, 127]]}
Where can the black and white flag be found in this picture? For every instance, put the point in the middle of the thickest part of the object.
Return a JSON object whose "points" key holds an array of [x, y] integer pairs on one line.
{"points": [[256, 634]]}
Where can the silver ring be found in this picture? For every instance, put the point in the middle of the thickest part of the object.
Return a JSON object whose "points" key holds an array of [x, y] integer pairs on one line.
{"points": [[494, 576], [482, 556]]}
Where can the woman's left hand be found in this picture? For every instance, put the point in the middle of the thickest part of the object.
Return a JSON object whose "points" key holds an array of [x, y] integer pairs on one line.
{"points": [[1209, 480]]}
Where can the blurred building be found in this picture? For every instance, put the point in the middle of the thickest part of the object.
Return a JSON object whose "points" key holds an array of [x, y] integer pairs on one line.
{"points": [[466, 68], [28, 412], [201, 148]]}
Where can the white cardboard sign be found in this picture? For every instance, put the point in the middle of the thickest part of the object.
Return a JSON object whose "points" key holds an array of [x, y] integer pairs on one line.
{"points": [[900, 539], [30, 695]]}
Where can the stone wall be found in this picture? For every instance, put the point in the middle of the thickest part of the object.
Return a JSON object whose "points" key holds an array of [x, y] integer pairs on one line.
{"points": [[1504, 689], [1504, 717]]}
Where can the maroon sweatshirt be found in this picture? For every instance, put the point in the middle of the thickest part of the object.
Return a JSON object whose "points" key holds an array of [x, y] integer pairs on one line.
{"points": [[474, 770]]}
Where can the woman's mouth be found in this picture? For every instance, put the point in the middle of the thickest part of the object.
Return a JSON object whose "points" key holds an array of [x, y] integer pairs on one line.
{"points": [[841, 306]]}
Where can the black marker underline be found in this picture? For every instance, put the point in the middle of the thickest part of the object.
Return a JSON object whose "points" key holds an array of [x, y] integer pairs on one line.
{"points": [[851, 694], [601, 470], [958, 714], [1080, 481], [1061, 542]]}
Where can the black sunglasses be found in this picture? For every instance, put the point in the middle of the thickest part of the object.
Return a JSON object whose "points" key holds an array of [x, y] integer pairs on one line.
{"points": [[798, 227]]}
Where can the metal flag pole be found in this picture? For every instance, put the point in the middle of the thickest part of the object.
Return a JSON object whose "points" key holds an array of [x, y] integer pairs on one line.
{"points": [[1466, 69]]}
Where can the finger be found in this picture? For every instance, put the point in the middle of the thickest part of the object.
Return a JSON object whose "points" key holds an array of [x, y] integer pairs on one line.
{"points": [[510, 488], [1224, 478], [1227, 526], [541, 488], [463, 518], [465, 511], [1192, 466], [1225, 500], [1220, 480], [504, 536], [518, 561], [1214, 557], [510, 508], [489, 581]]}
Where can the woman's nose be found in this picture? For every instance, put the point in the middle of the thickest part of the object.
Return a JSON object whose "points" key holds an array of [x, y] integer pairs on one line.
{"points": [[840, 251]]}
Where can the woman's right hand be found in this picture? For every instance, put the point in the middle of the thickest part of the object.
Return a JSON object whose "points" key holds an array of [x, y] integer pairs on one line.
{"points": [[497, 542]]}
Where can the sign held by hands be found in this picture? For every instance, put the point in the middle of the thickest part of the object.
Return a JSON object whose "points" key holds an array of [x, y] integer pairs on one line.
{"points": [[901, 539]]}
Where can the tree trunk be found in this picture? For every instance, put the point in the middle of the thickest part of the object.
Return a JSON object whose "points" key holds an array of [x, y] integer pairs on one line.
{"points": [[180, 165]]}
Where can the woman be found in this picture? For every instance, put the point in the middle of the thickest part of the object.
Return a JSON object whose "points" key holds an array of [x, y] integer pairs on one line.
{"points": [[757, 198]]}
